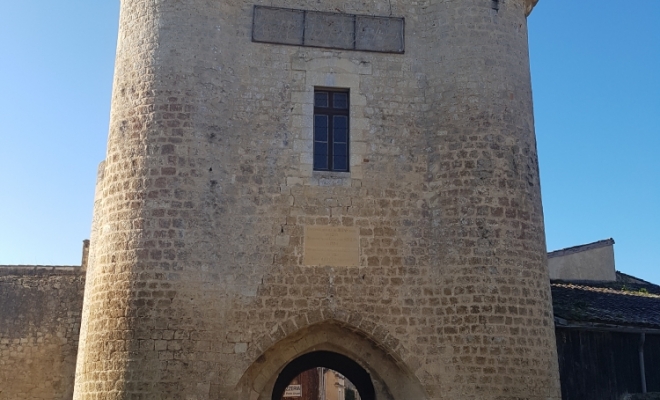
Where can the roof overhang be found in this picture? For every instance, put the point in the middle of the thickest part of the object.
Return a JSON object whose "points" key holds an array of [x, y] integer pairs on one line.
{"points": [[602, 327]]}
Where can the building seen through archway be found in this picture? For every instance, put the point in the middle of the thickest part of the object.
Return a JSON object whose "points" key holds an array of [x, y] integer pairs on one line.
{"points": [[323, 375], [321, 384]]}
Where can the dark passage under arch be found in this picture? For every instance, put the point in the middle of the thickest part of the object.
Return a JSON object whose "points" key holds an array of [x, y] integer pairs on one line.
{"points": [[342, 364]]}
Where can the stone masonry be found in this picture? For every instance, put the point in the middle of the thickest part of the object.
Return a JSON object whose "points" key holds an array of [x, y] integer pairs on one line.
{"points": [[200, 284], [40, 310]]}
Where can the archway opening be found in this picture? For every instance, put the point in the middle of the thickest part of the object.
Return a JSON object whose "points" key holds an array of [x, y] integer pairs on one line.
{"points": [[345, 366], [385, 376], [321, 384]]}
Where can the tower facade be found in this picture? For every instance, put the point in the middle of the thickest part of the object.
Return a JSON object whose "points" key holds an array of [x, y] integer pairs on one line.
{"points": [[350, 184]]}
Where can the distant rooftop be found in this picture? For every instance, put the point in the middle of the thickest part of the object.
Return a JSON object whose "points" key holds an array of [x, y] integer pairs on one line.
{"points": [[580, 248], [591, 261]]}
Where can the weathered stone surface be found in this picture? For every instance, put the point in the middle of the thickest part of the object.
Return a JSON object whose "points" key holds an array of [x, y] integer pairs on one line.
{"points": [[277, 25], [40, 310], [379, 34], [328, 29], [197, 286], [336, 246]]}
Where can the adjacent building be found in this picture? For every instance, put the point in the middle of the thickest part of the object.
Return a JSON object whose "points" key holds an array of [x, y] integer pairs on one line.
{"points": [[607, 325]]}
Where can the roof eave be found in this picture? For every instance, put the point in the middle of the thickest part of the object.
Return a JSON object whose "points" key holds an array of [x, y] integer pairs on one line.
{"points": [[603, 327]]}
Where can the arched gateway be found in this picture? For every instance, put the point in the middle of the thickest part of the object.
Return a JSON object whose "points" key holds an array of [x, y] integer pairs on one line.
{"points": [[351, 183], [331, 360], [377, 373]]}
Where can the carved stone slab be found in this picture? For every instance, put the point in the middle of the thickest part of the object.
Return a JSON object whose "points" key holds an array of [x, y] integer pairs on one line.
{"points": [[379, 34], [278, 25], [329, 30], [335, 246]]}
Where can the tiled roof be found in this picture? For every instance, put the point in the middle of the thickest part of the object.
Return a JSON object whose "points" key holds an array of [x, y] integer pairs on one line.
{"points": [[621, 277], [609, 303]]}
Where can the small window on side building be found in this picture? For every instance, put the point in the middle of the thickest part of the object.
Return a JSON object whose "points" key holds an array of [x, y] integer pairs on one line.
{"points": [[331, 136]]}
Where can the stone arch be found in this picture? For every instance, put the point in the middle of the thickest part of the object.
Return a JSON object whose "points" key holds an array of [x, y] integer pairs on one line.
{"points": [[328, 359], [391, 377]]}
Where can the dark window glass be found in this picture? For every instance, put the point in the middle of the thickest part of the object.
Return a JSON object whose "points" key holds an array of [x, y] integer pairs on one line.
{"points": [[340, 122], [321, 120], [339, 136], [331, 139], [321, 99], [321, 128], [340, 100], [340, 163], [320, 163], [339, 149], [320, 149], [340, 129]]}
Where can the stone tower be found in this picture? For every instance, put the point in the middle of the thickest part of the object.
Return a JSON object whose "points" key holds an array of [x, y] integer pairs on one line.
{"points": [[342, 183]]}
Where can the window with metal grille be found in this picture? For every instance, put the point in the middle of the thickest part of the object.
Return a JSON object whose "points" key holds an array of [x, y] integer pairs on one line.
{"points": [[331, 130]]}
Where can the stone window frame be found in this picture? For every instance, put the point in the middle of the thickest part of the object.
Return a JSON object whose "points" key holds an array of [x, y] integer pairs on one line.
{"points": [[328, 71], [331, 112]]}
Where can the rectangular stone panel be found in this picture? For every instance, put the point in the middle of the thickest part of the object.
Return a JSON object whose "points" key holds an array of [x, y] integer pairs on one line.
{"points": [[278, 25], [328, 30], [332, 30], [379, 34], [332, 245]]}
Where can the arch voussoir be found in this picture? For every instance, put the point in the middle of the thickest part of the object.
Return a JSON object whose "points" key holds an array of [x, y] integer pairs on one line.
{"points": [[371, 348]]}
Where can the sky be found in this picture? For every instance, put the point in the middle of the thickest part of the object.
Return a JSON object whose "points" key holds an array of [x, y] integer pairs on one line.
{"points": [[596, 84]]}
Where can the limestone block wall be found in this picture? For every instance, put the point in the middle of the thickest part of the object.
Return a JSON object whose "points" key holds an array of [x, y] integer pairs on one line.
{"points": [[40, 311], [198, 285]]}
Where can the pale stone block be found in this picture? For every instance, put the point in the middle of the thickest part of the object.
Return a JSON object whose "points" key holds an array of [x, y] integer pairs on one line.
{"points": [[302, 97], [306, 158], [356, 169], [364, 68], [358, 148], [296, 121], [240, 348], [359, 123], [306, 169], [302, 146], [291, 181], [298, 64], [307, 109], [357, 135], [298, 109], [298, 76], [305, 122], [328, 79], [333, 65], [358, 100]]}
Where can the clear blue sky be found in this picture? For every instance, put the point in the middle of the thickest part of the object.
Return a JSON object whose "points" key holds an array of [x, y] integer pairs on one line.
{"points": [[596, 82]]}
